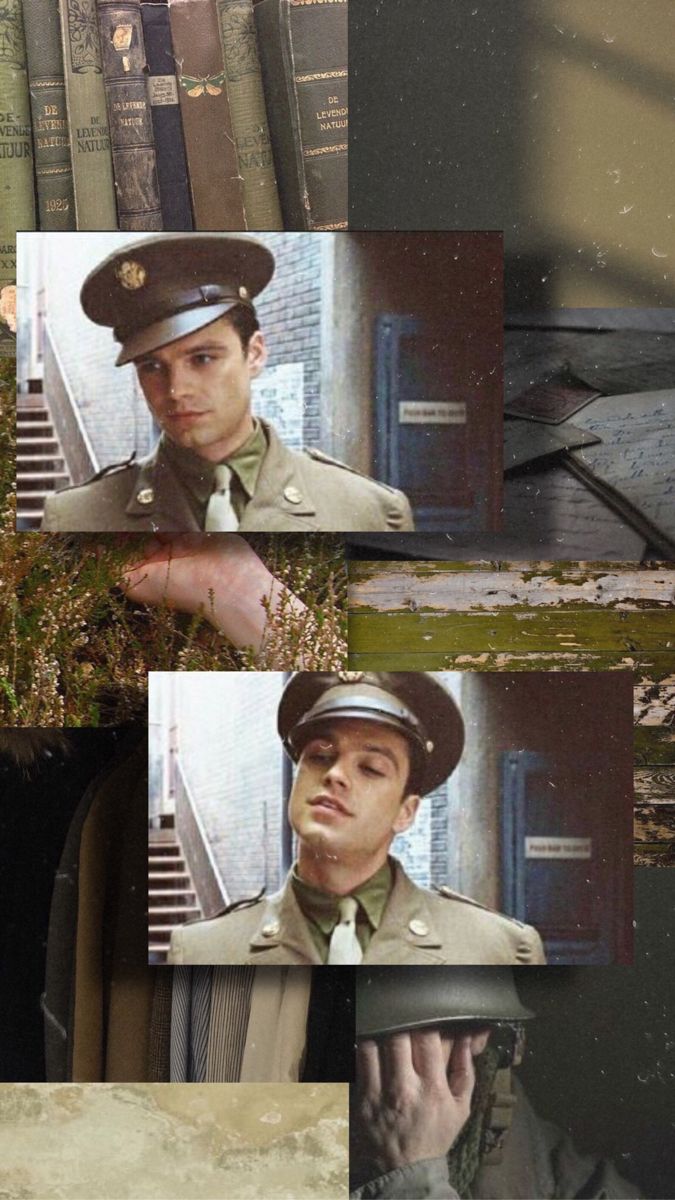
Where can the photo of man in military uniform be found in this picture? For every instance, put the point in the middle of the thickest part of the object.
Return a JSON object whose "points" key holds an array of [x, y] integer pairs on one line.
{"points": [[438, 1111], [181, 308], [368, 747]]}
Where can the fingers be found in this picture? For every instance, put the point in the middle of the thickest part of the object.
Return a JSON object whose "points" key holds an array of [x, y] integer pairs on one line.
{"points": [[479, 1041], [396, 1061], [368, 1069], [429, 1057], [461, 1075]]}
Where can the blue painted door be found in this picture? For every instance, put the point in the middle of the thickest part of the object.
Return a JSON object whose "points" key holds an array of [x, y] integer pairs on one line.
{"points": [[557, 860], [438, 436]]}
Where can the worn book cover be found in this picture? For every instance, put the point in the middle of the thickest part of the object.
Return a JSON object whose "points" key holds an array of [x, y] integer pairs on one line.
{"points": [[215, 180], [17, 210], [303, 51], [91, 153], [133, 144], [51, 144], [249, 115], [172, 172]]}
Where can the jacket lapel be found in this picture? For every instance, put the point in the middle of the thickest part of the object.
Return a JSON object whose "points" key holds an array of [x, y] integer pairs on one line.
{"points": [[158, 498], [282, 935], [407, 931], [282, 501]]}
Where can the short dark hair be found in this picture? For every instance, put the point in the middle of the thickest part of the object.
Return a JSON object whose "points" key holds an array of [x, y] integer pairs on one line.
{"points": [[244, 321]]}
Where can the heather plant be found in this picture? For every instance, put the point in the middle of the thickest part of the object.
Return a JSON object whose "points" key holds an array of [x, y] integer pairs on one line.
{"points": [[75, 651]]}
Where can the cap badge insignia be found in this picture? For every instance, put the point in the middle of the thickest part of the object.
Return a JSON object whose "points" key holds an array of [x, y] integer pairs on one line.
{"points": [[243, 293], [145, 496], [132, 275], [350, 676]]}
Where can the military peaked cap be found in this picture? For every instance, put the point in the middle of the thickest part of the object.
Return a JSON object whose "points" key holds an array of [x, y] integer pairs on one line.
{"points": [[155, 291], [413, 703]]}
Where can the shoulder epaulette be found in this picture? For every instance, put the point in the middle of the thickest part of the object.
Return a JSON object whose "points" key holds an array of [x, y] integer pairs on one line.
{"points": [[247, 902], [113, 469], [449, 894], [319, 456]]}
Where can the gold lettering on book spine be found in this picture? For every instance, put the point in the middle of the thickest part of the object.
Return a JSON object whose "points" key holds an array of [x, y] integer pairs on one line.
{"points": [[321, 75]]}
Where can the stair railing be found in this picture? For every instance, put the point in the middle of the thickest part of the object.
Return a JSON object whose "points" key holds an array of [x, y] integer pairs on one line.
{"points": [[78, 450], [209, 886]]}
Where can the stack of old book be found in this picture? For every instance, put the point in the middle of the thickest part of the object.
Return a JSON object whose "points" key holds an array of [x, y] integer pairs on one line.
{"points": [[175, 114]]}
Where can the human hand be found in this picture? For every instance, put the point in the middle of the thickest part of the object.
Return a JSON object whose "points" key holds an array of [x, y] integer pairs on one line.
{"points": [[217, 574], [414, 1094]]}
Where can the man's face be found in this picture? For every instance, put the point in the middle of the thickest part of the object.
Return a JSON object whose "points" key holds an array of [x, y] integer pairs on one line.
{"points": [[199, 388], [349, 796]]}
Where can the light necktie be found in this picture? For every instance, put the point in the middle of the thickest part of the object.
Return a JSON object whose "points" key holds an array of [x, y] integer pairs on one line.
{"points": [[220, 515], [344, 948]]}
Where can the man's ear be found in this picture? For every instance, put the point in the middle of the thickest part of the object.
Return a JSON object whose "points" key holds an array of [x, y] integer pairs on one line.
{"points": [[406, 814], [256, 353]]}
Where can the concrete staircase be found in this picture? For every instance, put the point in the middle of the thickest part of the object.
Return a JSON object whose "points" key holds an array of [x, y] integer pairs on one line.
{"points": [[40, 465], [172, 899]]}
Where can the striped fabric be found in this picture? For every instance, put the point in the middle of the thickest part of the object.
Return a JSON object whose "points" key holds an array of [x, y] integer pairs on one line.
{"points": [[232, 1024], [230, 1011], [190, 1011], [210, 1009]]}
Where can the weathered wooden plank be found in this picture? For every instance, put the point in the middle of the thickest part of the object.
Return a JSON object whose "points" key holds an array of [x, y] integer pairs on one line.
{"points": [[388, 590], [654, 823], [364, 569], [653, 746], [654, 704], [531, 630], [654, 854], [649, 668], [654, 785]]}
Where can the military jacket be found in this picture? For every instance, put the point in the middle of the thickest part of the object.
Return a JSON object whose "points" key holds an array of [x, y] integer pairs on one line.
{"points": [[296, 491], [417, 927], [537, 1160]]}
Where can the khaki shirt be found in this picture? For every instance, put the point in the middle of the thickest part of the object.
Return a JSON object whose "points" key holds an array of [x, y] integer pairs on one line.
{"points": [[197, 475], [295, 491], [322, 909], [417, 927]]}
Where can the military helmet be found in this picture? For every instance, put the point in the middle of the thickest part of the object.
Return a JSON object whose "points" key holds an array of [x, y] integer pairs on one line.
{"points": [[395, 999], [414, 703]]}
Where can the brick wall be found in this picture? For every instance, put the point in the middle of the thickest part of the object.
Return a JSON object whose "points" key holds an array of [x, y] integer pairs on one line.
{"points": [[112, 406], [290, 315], [429, 851], [232, 759]]}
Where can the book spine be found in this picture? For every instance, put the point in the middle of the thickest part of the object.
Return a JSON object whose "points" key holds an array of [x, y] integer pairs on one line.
{"points": [[249, 116], [303, 54], [91, 154], [51, 144], [174, 190], [215, 182], [133, 146], [17, 210]]}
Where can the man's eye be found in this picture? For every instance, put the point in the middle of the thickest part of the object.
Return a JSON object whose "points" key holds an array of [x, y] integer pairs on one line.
{"points": [[369, 769], [321, 756], [202, 360], [148, 368]]}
